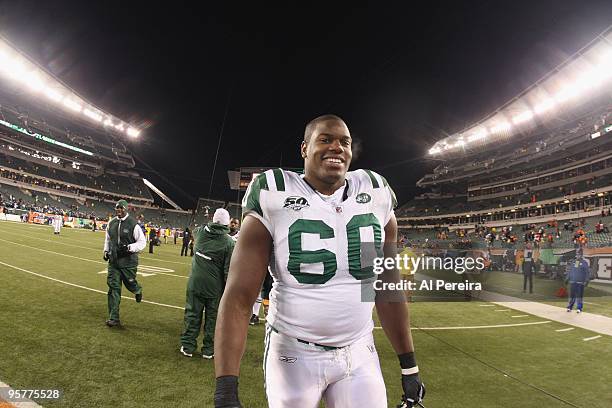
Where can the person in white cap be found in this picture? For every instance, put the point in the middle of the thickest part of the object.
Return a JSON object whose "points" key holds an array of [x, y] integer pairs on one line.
{"points": [[209, 268]]}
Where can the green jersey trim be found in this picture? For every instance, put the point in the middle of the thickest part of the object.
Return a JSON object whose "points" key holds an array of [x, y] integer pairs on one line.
{"points": [[279, 179], [251, 200]]}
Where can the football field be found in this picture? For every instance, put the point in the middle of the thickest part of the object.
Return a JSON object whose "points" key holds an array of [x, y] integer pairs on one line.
{"points": [[52, 336]]}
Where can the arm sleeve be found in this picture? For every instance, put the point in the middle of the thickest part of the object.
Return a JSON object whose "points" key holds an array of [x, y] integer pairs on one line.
{"points": [[106, 239], [141, 241]]}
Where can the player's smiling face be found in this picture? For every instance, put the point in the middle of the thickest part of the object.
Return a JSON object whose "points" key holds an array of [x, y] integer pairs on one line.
{"points": [[327, 155]]}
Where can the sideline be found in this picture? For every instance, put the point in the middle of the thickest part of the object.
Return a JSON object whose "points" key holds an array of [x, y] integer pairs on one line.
{"points": [[589, 321]]}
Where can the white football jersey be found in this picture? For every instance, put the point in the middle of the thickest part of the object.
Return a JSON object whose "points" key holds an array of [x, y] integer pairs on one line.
{"points": [[319, 264]]}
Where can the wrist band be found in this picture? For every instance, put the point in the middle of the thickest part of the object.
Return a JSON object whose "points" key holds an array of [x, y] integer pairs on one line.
{"points": [[407, 360], [410, 371]]}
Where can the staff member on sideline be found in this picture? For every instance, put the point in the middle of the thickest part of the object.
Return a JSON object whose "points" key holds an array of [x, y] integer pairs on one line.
{"points": [[578, 277], [209, 270], [124, 239]]}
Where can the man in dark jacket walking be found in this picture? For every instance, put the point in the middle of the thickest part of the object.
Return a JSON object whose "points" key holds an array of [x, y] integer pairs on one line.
{"points": [[186, 240], [209, 268], [578, 278], [124, 239]]}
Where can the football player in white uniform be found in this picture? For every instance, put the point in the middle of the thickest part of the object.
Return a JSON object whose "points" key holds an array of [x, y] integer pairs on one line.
{"points": [[310, 229]]}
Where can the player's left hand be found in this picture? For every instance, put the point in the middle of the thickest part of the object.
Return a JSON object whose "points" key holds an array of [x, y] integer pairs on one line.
{"points": [[414, 390]]}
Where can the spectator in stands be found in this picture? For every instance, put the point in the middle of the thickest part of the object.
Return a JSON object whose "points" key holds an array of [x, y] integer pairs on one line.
{"points": [[518, 260], [186, 241], [528, 268], [209, 270], [578, 277], [124, 239]]}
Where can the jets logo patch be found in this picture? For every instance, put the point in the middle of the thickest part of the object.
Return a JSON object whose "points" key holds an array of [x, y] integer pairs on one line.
{"points": [[363, 198], [296, 203]]}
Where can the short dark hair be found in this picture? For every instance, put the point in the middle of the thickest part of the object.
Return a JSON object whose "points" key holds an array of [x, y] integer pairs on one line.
{"points": [[310, 127]]}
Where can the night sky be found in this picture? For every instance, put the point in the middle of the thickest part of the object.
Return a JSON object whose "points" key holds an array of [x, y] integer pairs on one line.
{"points": [[401, 76]]}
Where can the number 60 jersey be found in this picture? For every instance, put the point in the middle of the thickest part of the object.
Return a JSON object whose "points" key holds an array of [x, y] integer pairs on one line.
{"points": [[318, 262]]}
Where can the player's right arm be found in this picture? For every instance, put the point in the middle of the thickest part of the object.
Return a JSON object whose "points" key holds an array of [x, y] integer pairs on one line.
{"points": [[247, 271]]}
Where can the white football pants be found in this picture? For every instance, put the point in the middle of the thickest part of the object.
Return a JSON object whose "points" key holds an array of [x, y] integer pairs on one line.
{"points": [[299, 374]]}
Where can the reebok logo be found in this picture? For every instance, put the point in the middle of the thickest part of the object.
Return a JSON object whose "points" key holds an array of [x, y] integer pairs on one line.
{"points": [[286, 359]]}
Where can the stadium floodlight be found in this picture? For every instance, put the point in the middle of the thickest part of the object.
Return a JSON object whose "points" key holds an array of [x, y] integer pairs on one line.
{"points": [[75, 106], [501, 127], [523, 117], [481, 134], [93, 115], [133, 132], [544, 106], [34, 81], [119, 126], [53, 94], [108, 122]]}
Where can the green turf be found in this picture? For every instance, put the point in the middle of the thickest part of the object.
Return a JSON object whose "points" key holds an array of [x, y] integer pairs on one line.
{"points": [[53, 336]]}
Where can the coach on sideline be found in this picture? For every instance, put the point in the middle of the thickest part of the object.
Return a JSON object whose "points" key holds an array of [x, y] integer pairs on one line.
{"points": [[124, 239]]}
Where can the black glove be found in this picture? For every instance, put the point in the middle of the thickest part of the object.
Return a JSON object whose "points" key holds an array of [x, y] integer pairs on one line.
{"points": [[226, 393], [106, 256], [414, 389], [123, 251]]}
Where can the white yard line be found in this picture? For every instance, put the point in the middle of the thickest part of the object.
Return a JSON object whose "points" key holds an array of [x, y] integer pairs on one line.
{"points": [[56, 241], [478, 327], [88, 260], [591, 338], [520, 316], [564, 330], [80, 286]]}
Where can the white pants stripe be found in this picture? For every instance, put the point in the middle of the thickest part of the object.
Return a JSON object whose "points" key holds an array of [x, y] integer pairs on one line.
{"points": [[300, 375]]}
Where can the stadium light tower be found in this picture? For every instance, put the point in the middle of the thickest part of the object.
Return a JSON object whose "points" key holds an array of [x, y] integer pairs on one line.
{"points": [[582, 75], [21, 70]]}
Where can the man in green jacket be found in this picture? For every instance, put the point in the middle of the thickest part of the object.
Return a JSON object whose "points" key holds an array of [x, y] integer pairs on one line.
{"points": [[124, 239], [209, 268]]}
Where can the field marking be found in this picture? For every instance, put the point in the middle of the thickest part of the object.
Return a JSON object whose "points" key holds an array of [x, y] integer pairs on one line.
{"points": [[91, 260], [486, 305], [502, 310], [591, 338], [90, 248], [83, 287], [520, 316], [477, 327], [564, 330]]}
